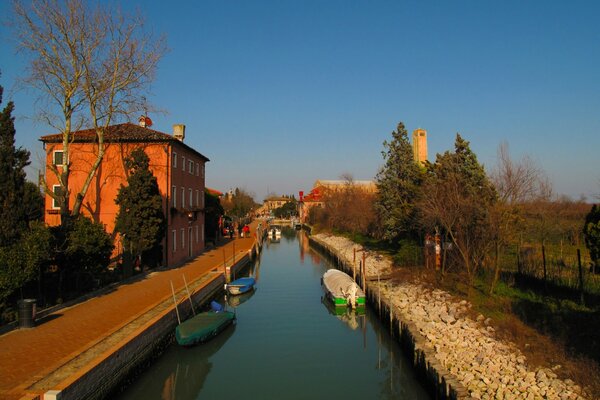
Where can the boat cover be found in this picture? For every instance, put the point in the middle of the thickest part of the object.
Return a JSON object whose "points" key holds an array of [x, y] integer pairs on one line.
{"points": [[341, 285], [202, 327], [248, 281]]}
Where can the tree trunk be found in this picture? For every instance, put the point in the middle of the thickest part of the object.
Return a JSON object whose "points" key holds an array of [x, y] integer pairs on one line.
{"points": [[496, 268]]}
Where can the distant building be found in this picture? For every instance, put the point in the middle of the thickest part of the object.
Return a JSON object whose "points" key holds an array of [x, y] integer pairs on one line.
{"points": [[336, 185], [419, 143], [273, 202], [317, 195], [178, 168]]}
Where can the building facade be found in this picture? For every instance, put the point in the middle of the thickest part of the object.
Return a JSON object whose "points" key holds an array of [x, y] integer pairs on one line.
{"points": [[178, 168], [419, 143]]}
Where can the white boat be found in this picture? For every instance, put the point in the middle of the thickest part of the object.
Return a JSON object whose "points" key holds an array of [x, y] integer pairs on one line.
{"points": [[275, 231], [342, 289]]}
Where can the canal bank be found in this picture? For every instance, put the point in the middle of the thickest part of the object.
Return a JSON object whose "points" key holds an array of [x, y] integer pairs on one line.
{"points": [[86, 350], [456, 356]]}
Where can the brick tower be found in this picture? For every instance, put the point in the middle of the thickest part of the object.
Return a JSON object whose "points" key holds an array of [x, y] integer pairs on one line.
{"points": [[419, 143]]}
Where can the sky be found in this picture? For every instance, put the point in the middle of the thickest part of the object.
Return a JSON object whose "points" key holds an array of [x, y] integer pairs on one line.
{"points": [[278, 94]]}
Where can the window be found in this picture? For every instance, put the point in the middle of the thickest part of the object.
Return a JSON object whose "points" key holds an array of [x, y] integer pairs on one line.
{"points": [[183, 163], [191, 198], [197, 169], [202, 202], [57, 190], [196, 233], [174, 240], [183, 238], [202, 232], [191, 167], [174, 160], [182, 197], [197, 198], [202, 171], [174, 195], [57, 157]]}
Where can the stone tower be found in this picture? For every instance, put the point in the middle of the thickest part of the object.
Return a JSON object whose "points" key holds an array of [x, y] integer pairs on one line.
{"points": [[419, 143]]}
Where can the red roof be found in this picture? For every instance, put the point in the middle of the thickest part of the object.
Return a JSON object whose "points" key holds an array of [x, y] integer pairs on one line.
{"points": [[214, 192], [121, 133]]}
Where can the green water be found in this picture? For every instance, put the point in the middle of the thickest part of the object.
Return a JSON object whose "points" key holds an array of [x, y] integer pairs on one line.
{"points": [[287, 344]]}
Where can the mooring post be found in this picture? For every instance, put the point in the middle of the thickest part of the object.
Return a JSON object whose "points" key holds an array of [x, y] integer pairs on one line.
{"points": [[544, 262], [354, 265], [581, 299], [188, 293], [379, 292], [364, 272], [391, 317], [175, 302]]}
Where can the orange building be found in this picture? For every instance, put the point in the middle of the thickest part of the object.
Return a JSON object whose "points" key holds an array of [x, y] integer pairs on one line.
{"points": [[178, 168]]}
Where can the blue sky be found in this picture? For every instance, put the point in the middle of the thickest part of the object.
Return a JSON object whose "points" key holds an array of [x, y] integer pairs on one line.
{"points": [[281, 93]]}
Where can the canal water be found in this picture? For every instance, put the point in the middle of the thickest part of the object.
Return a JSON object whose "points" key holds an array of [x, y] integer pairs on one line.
{"points": [[288, 343]]}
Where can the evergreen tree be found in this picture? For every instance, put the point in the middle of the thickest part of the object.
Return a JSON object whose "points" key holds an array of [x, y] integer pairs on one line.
{"points": [[399, 187], [459, 201], [141, 220], [13, 220], [213, 210], [591, 232]]}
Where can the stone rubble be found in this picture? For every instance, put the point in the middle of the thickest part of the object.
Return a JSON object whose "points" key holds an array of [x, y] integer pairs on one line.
{"points": [[487, 367]]}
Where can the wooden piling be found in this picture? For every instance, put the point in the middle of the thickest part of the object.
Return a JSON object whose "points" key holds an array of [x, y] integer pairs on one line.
{"points": [[581, 299]]}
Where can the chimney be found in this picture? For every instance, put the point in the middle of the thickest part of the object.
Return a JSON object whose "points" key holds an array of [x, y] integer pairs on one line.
{"points": [[142, 121], [179, 132]]}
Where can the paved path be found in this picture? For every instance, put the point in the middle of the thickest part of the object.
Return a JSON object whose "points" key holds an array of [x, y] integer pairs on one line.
{"points": [[28, 355]]}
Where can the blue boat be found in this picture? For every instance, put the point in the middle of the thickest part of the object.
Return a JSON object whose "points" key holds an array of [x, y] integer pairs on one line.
{"points": [[241, 285]]}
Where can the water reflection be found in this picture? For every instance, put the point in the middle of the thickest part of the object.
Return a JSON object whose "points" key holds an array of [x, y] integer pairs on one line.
{"points": [[236, 301], [351, 317], [182, 371]]}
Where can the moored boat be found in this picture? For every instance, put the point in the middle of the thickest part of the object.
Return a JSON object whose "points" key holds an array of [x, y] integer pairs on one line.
{"points": [[342, 290], [203, 327], [275, 231], [240, 285]]}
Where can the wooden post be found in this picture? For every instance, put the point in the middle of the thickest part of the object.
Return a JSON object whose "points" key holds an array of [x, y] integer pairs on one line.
{"points": [[544, 263], [379, 291], [225, 266], [354, 265], [175, 301], [188, 293], [364, 272], [391, 317], [581, 299]]}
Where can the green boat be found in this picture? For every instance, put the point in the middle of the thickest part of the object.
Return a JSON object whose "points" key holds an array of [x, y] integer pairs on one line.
{"points": [[203, 327], [342, 290]]}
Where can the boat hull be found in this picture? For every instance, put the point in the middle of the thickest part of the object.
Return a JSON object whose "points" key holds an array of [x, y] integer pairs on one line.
{"points": [[240, 286], [203, 327]]}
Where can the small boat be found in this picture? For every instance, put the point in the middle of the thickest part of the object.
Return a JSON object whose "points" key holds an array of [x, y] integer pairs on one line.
{"points": [[240, 285], [342, 289], [275, 231], [203, 326]]}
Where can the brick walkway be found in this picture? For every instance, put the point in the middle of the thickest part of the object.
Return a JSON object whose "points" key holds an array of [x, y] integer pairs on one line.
{"points": [[28, 355]]}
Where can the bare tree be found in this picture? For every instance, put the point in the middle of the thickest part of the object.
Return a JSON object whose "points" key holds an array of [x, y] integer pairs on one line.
{"points": [[89, 66], [516, 182]]}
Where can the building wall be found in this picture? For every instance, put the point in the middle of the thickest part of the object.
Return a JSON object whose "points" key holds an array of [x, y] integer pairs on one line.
{"points": [[185, 234], [99, 203], [419, 142]]}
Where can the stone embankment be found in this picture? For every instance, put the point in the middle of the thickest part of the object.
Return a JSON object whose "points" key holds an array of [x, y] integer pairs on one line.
{"points": [[467, 349]]}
